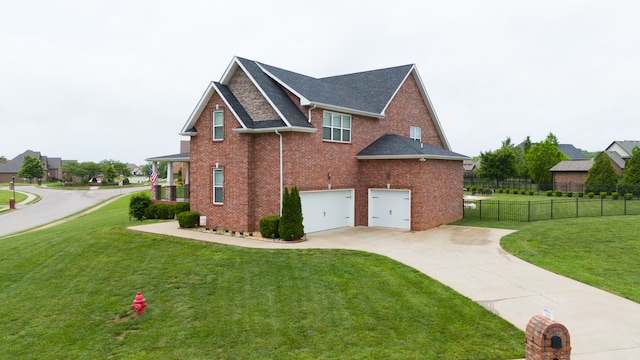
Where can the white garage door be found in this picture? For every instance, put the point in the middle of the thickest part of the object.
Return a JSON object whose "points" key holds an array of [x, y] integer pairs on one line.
{"points": [[327, 209], [390, 208]]}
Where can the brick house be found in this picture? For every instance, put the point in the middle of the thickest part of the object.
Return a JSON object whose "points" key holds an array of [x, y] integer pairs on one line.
{"points": [[363, 149]]}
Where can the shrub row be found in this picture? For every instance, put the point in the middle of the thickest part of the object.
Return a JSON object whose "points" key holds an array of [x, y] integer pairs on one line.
{"points": [[165, 211]]}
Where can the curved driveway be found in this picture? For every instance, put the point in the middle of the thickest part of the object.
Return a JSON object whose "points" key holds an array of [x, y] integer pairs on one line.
{"points": [[54, 205]]}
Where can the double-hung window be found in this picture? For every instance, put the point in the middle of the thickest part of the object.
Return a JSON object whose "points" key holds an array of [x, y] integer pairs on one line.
{"points": [[415, 133], [218, 186], [336, 127], [218, 125]]}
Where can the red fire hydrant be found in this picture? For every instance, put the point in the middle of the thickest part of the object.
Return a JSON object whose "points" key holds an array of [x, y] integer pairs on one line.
{"points": [[139, 304]]}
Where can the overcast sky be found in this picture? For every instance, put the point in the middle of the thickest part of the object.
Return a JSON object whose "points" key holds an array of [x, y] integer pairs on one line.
{"points": [[94, 80]]}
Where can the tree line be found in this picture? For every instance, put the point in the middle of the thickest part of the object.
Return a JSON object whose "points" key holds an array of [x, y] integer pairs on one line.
{"points": [[533, 161]]}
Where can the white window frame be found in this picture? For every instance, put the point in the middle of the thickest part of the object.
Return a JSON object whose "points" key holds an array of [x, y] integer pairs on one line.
{"points": [[415, 133], [334, 123], [215, 126], [218, 186]]}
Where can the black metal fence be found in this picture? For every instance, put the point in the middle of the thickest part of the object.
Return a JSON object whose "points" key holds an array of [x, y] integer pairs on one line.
{"points": [[526, 211]]}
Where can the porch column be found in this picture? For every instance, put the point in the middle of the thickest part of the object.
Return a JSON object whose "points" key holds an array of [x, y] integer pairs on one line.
{"points": [[170, 174]]}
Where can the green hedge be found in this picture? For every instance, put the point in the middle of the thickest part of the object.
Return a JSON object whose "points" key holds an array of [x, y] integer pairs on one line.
{"points": [[188, 219], [165, 211], [138, 204]]}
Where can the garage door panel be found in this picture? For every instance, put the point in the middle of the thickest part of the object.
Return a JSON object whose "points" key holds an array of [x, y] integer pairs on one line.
{"points": [[328, 209], [390, 208]]}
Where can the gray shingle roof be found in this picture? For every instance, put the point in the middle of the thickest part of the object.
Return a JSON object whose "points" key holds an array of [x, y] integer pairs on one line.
{"points": [[14, 165], [580, 165], [571, 151], [393, 146], [368, 91]]}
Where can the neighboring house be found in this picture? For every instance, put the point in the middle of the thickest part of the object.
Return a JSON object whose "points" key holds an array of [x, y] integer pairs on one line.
{"points": [[623, 148], [570, 175], [53, 168], [470, 168], [135, 169], [363, 149], [11, 168]]}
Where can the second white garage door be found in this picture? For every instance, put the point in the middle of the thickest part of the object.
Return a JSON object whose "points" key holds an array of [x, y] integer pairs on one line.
{"points": [[327, 209], [390, 208]]}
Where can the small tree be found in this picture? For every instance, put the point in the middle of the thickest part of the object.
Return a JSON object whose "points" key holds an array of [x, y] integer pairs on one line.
{"points": [[630, 182], [602, 177], [31, 168], [290, 227]]}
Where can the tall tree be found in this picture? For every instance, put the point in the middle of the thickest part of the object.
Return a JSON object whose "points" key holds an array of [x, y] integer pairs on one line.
{"points": [[542, 157], [500, 164], [602, 176], [522, 152], [31, 168], [630, 182]]}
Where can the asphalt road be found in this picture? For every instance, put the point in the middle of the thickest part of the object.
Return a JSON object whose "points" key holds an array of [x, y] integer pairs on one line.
{"points": [[54, 205]]}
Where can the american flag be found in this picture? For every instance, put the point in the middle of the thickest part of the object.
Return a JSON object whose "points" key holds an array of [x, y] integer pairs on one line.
{"points": [[153, 176]]}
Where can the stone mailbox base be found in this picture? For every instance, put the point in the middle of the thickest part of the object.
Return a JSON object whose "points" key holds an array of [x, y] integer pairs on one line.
{"points": [[12, 203]]}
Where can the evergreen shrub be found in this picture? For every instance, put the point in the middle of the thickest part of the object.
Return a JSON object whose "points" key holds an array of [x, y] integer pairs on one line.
{"points": [[269, 227], [188, 219], [138, 203]]}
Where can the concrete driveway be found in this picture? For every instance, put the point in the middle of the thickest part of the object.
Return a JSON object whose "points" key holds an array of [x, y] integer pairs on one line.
{"points": [[471, 261]]}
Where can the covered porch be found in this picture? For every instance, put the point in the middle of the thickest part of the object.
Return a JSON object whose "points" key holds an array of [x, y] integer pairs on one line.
{"points": [[171, 191]]}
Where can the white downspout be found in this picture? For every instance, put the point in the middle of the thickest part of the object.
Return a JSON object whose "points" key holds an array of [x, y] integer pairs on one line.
{"points": [[311, 108], [281, 170]]}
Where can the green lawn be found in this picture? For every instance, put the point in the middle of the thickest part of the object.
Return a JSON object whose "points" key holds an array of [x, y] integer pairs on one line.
{"points": [[5, 195], [600, 251], [67, 292]]}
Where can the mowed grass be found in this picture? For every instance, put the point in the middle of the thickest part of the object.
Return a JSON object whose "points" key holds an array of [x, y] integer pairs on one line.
{"points": [[600, 251], [5, 195], [67, 293]]}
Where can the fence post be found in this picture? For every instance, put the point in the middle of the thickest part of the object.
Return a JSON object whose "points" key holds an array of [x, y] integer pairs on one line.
{"points": [[551, 203], [529, 211], [577, 212], [601, 206], [625, 205], [498, 210], [480, 201]]}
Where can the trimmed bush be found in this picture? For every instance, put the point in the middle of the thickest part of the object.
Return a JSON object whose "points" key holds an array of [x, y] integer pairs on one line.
{"points": [[522, 192], [549, 192], [615, 195], [580, 194], [558, 193], [569, 193], [269, 227], [628, 196], [591, 195], [531, 192], [603, 194], [138, 203], [188, 219]]}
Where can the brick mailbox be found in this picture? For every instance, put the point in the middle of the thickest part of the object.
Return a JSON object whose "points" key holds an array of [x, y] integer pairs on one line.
{"points": [[547, 340]]}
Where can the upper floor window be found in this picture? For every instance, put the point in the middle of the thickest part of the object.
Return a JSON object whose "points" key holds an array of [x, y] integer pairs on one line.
{"points": [[336, 127], [415, 133], [218, 186], [218, 124]]}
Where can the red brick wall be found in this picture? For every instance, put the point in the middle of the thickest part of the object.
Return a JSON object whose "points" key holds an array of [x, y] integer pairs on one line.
{"points": [[251, 164], [436, 189]]}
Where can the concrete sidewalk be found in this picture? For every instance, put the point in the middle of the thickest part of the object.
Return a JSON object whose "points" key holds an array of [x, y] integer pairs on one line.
{"points": [[470, 260]]}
